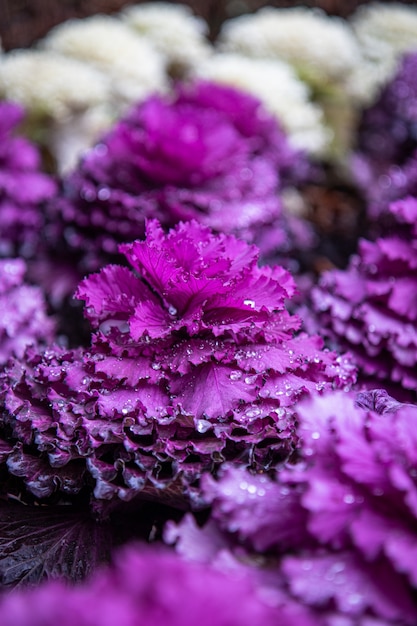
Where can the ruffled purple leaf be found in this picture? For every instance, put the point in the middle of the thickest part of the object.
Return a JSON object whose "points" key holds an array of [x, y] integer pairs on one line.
{"points": [[256, 508], [338, 525], [370, 308], [351, 583], [212, 390]]}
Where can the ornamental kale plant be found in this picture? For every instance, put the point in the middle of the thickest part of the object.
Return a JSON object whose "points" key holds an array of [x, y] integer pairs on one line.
{"points": [[371, 308], [194, 361], [337, 527], [206, 152], [23, 317], [24, 189], [385, 164]]}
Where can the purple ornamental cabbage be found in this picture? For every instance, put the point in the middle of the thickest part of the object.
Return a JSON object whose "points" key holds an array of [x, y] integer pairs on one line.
{"points": [[385, 164], [338, 527], [208, 152], [23, 317], [194, 361], [23, 188], [147, 586], [371, 307]]}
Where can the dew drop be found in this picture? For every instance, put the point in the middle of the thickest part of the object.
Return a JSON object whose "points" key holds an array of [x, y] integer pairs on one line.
{"points": [[235, 375], [354, 598], [338, 567], [349, 498], [384, 181], [89, 195], [11, 268], [55, 373], [215, 205], [315, 435], [203, 426], [103, 193], [172, 310], [100, 149], [107, 326], [246, 173], [250, 303]]}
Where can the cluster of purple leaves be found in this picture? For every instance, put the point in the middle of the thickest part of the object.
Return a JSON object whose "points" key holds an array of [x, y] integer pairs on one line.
{"points": [[337, 529], [208, 152], [194, 361], [371, 307], [385, 165], [147, 587], [24, 189], [23, 317], [188, 394]]}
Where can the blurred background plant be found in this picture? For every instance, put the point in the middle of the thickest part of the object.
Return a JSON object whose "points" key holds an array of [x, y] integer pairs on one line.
{"points": [[24, 21]]}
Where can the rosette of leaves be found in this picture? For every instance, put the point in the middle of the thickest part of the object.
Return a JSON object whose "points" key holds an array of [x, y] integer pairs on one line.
{"points": [[336, 529], [24, 189], [370, 308], [385, 163], [23, 316], [205, 152], [194, 361]]}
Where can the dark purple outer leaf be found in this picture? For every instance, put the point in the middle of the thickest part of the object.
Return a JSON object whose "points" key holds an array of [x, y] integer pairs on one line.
{"points": [[38, 543]]}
